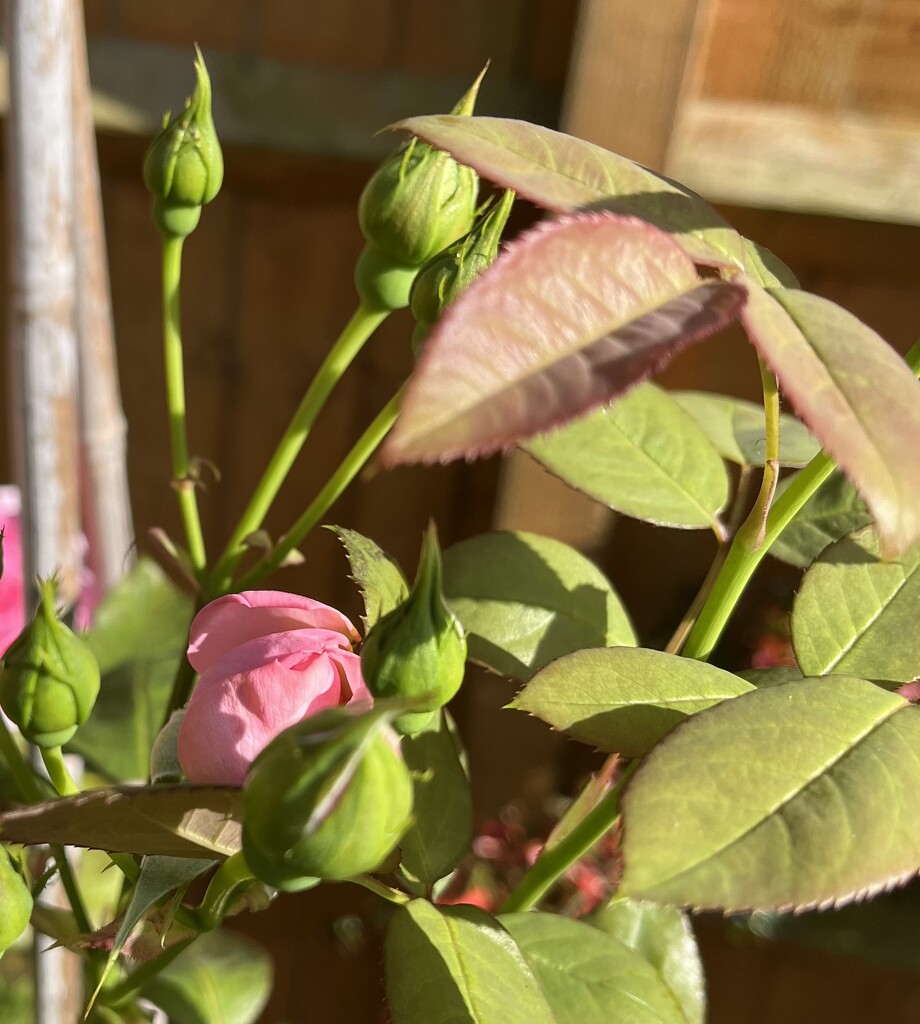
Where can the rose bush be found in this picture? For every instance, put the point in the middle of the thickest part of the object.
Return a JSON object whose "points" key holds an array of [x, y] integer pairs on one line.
{"points": [[267, 661]]}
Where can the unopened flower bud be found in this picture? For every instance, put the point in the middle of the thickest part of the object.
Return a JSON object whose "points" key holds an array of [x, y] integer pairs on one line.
{"points": [[50, 678], [445, 276], [416, 203], [15, 901], [328, 798], [184, 166], [417, 652]]}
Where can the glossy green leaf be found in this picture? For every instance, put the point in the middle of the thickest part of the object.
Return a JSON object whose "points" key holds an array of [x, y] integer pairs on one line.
{"points": [[570, 315], [789, 796], [589, 977], [169, 821], [457, 965], [736, 428], [766, 268], [442, 808], [835, 510], [139, 634], [777, 676], [643, 456], [223, 978], [624, 699], [855, 394], [661, 935], [857, 615], [562, 173], [525, 600], [380, 580]]}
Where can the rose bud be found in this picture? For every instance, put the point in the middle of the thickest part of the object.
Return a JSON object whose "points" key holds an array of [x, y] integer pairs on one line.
{"points": [[417, 652], [267, 660], [50, 679], [416, 203], [15, 901], [184, 166], [329, 798], [442, 278]]}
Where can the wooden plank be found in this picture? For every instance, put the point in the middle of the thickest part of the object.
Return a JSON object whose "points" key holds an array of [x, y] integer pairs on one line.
{"points": [[798, 159], [552, 30], [351, 34], [183, 24], [885, 77]]}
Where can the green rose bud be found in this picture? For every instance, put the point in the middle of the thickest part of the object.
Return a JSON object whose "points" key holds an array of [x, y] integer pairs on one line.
{"points": [[50, 679], [415, 204], [442, 278], [328, 798], [417, 652], [15, 901], [184, 166]]}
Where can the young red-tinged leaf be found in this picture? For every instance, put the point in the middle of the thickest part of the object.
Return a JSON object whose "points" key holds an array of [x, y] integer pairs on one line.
{"points": [[171, 821], [856, 396], [570, 315], [562, 173], [790, 796]]}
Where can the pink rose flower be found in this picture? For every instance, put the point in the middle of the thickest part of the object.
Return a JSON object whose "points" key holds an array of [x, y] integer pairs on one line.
{"points": [[267, 661], [12, 596]]}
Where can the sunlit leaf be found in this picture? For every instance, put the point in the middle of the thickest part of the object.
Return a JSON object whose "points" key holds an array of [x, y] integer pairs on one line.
{"points": [[442, 807], [170, 821], [570, 315], [140, 632], [457, 965], [223, 978], [525, 600], [736, 428], [562, 173], [624, 699], [643, 456], [854, 393], [857, 615], [590, 977], [788, 796], [836, 509], [662, 936], [380, 580]]}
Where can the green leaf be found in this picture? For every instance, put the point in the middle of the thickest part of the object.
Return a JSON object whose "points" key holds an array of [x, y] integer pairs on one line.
{"points": [[662, 936], [139, 634], [643, 456], [223, 978], [624, 699], [738, 431], [857, 615], [766, 268], [442, 808], [170, 821], [562, 173], [380, 580], [457, 965], [761, 677], [789, 796], [856, 395], [525, 600], [589, 977], [835, 510], [571, 315]]}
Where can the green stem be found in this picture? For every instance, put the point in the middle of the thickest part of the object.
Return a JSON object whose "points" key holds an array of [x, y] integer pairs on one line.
{"points": [[378, 888], [25, 779], [349, 468], [175, 403], [552, 863], [349, 343], [60, 777], [129, 986], [752, 531], [228, 879], [744, 557], [70, 887]]}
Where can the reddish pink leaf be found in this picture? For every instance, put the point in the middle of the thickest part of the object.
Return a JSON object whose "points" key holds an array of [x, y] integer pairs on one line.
{"points": [[854, 393], [570, 315], [563, 174]]}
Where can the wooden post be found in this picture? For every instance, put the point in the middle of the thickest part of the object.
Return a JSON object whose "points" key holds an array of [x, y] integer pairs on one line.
{"points": [[42, 347]]}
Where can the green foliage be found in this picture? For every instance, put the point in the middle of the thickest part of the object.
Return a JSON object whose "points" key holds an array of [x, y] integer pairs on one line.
{"points": [[789, 796], [377, 575], [641, 455], [525, 600], [15, 900], [857, 615]]}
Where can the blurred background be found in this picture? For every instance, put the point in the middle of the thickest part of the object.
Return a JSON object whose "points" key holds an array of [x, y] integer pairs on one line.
{"points": [[799, 118]]}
